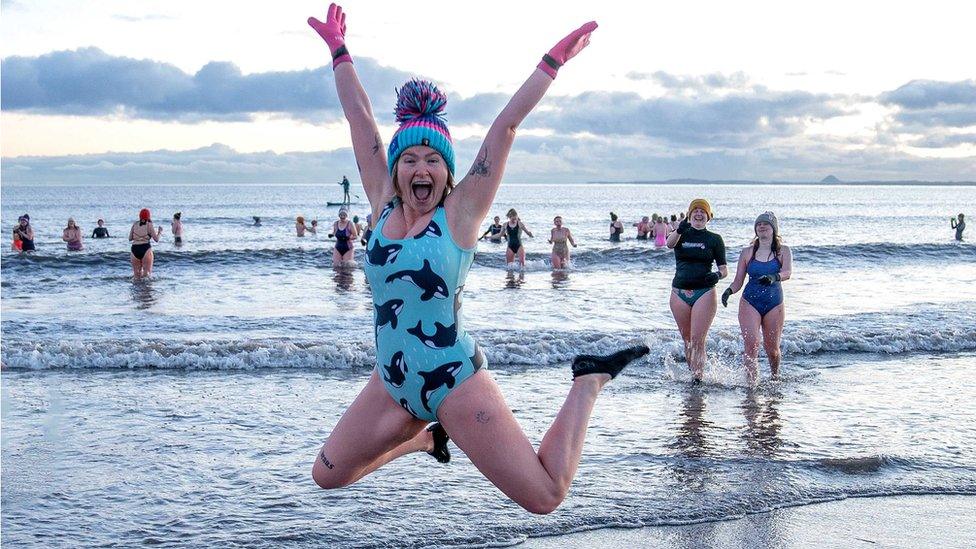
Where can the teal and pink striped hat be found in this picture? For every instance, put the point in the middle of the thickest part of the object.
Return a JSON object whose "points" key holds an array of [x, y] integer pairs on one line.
{"points": [[420, 112]]}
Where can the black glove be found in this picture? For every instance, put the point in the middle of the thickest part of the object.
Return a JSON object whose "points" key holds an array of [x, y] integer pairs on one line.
{"points": [[725, 296], [712, 278], [767, 280], [683, 226]]}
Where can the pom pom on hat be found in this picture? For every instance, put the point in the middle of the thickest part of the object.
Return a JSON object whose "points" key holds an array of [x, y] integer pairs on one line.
{"points": [[420, 113]]}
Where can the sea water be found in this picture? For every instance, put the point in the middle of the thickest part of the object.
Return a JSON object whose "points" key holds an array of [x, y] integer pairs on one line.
{"points": [[187, 409]]}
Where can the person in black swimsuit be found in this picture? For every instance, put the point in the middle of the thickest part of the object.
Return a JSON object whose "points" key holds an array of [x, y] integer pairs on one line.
{"points": [[616, 228], [141, 233], [494, 232], [345, 234], [100, 231], [513, 233], [26, 233]]}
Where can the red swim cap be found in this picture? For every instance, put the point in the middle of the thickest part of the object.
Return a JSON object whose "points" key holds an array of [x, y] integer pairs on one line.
{"points": [[144, 214]]}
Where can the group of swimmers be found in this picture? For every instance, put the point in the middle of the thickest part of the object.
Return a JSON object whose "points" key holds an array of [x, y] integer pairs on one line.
{"points": [[655, 228], [141, 234]]}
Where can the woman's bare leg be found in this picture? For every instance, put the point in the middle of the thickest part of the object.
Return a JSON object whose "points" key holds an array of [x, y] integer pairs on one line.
{"points": [[477, 418], [373, 431], [557, 261], [147, 263], [750, 324], [702, 314], [682, 317], [772, 325], [136, 266]]}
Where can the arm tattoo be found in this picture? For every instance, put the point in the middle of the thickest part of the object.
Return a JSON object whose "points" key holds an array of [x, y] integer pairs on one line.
{"points": [[482, 166], [482, 417], [325, 461], [376, 143]]}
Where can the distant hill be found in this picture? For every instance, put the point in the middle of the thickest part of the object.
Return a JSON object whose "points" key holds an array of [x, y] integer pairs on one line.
{"points": [[829, 180]]}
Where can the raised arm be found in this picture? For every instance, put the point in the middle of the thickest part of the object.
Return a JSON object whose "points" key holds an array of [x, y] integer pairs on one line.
{"points": [[474, 194], [366, 142]]}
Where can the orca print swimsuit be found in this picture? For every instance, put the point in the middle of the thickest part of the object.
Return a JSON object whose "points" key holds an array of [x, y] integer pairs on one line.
{"points": [[422, 349]]}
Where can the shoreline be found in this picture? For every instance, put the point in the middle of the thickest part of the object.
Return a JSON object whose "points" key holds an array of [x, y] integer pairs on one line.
{"points": [[946, 521]]}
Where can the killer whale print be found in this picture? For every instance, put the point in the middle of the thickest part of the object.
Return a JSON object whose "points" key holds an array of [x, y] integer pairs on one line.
{"points": [[444, 374], [406, 406], [433, 229], [396, 372], [387, 313], [444, 336], [425, 279], [380, 255]]}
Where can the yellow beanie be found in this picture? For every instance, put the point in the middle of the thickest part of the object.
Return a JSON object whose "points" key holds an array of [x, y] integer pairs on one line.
{"points": [[703, 204]]}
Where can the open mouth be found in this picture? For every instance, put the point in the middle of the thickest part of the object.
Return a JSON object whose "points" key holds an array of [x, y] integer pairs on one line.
{"points": [[422, 190]]}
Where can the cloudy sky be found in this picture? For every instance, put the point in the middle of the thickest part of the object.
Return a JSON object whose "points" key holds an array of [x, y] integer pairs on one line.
{"points": [[242, 91]]}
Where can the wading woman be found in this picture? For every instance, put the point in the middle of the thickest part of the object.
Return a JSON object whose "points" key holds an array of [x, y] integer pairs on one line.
{"points": [[429, 368], [693, 300], [761, 311]]}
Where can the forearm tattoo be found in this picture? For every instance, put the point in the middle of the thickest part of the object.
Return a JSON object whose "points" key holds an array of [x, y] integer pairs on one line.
{"points": [[481, 166], [376, 143], [482, 417], [325, 461]]}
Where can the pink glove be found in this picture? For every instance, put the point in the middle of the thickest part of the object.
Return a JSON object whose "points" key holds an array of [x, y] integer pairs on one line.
{"points": [[566, 49], [333, 31]]}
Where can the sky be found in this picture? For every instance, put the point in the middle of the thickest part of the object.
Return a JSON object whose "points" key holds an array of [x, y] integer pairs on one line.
{"points": [[219, 91]]}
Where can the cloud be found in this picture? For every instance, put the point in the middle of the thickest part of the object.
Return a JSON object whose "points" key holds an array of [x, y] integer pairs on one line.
{"points": [[706, 82], [91, 82], [141, 18], [735, 120], [928, 104]]}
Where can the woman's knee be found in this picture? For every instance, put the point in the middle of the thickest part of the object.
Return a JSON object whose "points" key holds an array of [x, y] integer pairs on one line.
{"points": [[544, 502], [326, 478]]}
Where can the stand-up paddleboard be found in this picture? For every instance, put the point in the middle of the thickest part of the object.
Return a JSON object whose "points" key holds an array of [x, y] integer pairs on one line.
{"points": [[332, 204]]}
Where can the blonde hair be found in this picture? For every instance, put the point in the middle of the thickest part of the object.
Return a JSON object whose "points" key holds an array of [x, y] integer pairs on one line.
{"points": [[512, 213]]}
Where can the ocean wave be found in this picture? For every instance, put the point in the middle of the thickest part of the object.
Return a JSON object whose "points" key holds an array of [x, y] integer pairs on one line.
{"points": [[628, 256], [541, 348]]}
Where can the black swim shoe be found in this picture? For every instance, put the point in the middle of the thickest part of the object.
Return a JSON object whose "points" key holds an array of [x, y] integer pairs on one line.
{"points": [[610, 364], [440, 451]]}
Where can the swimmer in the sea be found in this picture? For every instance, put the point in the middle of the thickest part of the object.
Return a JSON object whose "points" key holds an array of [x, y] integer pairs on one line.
{"points": [[768, 262], [693, 301], [25, 234], [513, 233], [100, 231], [431, 383], [959, 224], [616, 228], [558, 238], [72, 235], [643, 228], [300, 227], [346, 235], [494, 232], [141, 233], [177, 227]]}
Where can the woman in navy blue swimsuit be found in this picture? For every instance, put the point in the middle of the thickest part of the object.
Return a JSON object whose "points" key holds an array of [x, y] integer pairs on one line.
{"points": [[768, 263]]}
